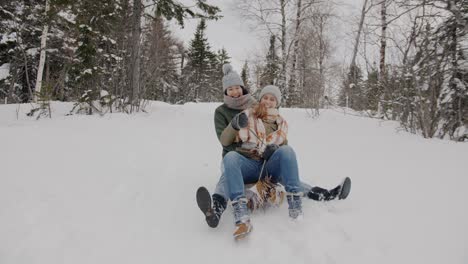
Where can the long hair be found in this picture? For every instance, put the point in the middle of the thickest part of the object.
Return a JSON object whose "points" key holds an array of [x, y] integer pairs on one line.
{"points": [[260, 111]]}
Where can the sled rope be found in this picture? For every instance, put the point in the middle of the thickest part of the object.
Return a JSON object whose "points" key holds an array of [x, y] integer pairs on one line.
{"points": [[264, 161], [255, 134]]}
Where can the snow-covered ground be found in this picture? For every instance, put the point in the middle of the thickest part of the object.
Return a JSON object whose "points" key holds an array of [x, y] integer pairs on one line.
{"points": [[121, 188]]}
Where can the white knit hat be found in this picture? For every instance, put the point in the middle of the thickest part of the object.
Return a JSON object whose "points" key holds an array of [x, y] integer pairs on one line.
{"points": [[230, 77], [271, 89]]}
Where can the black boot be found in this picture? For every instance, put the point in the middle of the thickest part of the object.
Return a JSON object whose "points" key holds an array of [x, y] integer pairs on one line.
{"points": [[345, 189], [319, 194], [219, 205], [212, 213], [341, 192]]}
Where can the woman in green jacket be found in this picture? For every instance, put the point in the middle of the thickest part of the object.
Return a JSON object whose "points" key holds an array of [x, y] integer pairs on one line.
{"points": [[227, 117]]}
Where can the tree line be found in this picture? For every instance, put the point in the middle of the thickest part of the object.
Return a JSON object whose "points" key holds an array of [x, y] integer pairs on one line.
{"points": [[408, 59], [424, 86], [118, 48]]}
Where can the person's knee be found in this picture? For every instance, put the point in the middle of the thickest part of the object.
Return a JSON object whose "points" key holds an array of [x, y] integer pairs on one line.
{"points": [[232, 158], [287, 152]]}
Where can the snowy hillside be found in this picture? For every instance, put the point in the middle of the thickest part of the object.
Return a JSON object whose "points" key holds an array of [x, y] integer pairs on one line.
{"points": [[120, 189]]}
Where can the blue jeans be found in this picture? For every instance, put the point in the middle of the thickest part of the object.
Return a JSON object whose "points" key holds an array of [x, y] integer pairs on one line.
{"points": [[221, 190], [238, 170]]}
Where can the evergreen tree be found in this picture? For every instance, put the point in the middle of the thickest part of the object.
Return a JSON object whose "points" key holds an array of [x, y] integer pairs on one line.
{"points": [[352, 92], [432, 88], [61, 50], [272, 68], [19, 49], [96, 51], [223, 57], [453, 98], [160, 77], [199, 67], [88, 45], [170, 9], [216, 75], [8, 43], [372, 91], [245, 75]]}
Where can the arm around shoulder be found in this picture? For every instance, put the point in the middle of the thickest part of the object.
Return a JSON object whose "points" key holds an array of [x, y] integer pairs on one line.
{"points": [[220, 122], [228, 136]]}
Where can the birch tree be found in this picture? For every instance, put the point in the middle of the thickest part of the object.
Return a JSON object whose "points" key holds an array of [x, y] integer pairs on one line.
{"points": [[40, 68], [273, 18], [383, 46], [282, 19], [294, 90], [364, 11]]}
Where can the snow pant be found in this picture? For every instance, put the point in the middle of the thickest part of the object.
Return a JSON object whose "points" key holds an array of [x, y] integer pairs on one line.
{"points": [[239, 170]]}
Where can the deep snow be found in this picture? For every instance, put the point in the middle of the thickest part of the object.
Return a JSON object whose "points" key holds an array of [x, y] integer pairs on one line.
{"points": [[120, 189]]}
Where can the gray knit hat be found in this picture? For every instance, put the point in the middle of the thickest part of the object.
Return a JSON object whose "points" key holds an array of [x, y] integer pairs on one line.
{"points": [[271, 89], [230, 77]]}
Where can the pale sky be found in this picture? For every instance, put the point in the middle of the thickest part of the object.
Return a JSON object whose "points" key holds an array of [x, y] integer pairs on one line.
{"points": [[241, 42], [229, 32]]}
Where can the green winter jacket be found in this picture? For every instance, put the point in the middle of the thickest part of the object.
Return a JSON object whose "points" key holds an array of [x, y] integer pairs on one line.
{"points": [[222, 119], [227, 135]]}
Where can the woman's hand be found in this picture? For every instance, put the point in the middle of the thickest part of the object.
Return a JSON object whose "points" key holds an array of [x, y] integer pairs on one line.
{"points": [[239, 121], [269, 150]]}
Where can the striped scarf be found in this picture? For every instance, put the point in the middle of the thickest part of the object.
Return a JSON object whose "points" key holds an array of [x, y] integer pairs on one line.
{"points": [[254, 136]]}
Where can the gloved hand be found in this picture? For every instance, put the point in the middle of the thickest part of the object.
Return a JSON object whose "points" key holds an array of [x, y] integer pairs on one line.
{"points": [[269, 150], [239, 121]]}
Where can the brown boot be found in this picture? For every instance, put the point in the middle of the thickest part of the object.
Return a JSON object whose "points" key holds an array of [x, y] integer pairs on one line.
{"points": [[241, 218], [242, 230]]}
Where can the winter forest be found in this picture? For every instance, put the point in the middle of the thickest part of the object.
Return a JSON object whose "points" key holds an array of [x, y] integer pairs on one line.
{"points": [[352, 118], [407, 59]]}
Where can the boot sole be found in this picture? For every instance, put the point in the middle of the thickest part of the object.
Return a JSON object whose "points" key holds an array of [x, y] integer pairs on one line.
{"points": [[345, 189], [204, 200], [204, 203]]}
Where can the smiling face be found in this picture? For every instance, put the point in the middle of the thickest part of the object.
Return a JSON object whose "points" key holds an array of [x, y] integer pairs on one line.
{"points": [[234, 91], [269, 101]]}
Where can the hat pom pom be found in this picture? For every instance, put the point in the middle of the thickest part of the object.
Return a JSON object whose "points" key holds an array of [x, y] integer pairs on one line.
{"points": [[227, 68]]}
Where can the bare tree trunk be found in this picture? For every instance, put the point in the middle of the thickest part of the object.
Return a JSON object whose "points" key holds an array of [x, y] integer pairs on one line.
{"points": [[293, 87], [11, 89], [282, 76], [31, 96], [383, 45], [358, 35], [42, 57], [454, 52], [135, 57], [412, 39], [182, 61], [383, 38], [322, 53]]}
